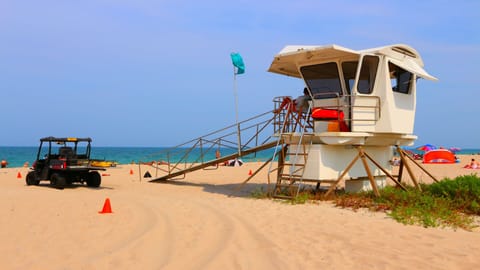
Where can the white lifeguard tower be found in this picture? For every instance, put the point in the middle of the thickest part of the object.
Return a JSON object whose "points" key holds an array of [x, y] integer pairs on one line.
{"points": [[361, 107]]}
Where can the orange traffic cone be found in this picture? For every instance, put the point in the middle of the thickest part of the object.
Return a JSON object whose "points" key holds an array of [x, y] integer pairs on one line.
{"points": [[19, 175], [250, 172], [131, 172], [107, 208]]}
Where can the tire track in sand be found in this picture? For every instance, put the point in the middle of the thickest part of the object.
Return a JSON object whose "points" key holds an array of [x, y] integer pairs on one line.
{"points": [[144, 225], [225, 240]]}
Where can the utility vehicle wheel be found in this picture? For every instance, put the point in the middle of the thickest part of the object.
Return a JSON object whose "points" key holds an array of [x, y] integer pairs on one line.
{"points": [[32, 179], [94, 179], [57, 180]]}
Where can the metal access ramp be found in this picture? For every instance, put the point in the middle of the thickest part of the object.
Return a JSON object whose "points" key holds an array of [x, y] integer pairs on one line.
{"points": [[214, 162], [244, 139]]}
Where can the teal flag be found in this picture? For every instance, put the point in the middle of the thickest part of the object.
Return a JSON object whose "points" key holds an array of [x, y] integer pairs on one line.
{"points": [[238, 63]]}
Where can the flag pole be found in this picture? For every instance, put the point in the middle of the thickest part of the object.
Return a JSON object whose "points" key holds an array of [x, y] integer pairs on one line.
{"points": [[236, 112], [238, 68]]}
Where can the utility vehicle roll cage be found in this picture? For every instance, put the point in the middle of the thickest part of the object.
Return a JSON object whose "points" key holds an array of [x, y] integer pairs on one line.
{"points": [[63, 141]]}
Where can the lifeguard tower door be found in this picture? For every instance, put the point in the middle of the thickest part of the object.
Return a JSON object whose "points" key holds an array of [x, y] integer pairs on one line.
{"points": [[365, 110]]}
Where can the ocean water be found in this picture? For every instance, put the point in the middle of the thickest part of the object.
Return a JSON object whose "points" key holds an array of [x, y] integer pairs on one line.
{"points": [[18, 155]]}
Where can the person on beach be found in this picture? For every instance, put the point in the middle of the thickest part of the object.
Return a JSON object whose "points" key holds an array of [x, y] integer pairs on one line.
{"points": [[297, 105], [472, 165], [395, 162], [218, 155], [301, 102], [4, 163]]}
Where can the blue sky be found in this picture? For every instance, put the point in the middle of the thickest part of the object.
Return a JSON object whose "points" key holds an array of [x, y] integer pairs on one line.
{"points": [[158, 73]]}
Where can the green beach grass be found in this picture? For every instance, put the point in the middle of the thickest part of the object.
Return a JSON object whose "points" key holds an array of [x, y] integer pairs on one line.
{"points": [[453, 203]]}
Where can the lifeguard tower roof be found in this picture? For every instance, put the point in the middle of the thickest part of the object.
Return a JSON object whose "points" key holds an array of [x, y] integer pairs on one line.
{"points": [[291, 57]]}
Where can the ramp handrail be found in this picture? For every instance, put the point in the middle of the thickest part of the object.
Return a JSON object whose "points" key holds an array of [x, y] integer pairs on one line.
{"points": [[213, 148]]}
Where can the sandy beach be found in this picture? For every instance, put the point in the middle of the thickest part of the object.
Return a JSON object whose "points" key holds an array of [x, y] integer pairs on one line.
{"points": [[194, 223]]}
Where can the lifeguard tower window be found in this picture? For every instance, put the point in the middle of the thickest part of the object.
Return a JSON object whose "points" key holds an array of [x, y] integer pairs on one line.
{"points": [[400, 79], [323, 80], [368, 74], [349, 69]]}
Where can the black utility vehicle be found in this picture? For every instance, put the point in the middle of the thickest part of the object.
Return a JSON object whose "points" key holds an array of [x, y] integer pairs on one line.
{"points": [[63, 161]]}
